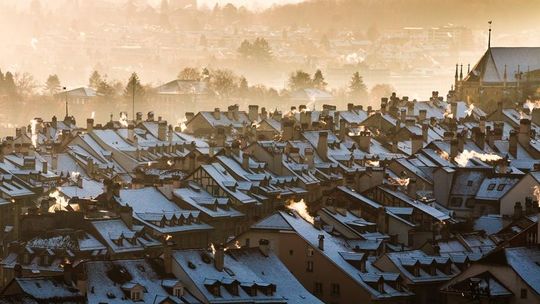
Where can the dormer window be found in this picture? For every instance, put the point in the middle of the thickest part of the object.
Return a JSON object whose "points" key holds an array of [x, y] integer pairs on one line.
{"points": [[178, 291], [136, 295]]}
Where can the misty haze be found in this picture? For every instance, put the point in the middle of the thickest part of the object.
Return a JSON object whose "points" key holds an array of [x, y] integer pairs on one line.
{"points": [[269, 151]]}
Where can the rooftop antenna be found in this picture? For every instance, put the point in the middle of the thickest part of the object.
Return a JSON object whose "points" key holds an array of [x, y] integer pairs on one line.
{"points": [[66, 95], [489, 35]]}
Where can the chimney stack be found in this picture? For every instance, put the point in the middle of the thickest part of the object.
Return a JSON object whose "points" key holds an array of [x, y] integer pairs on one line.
{"points": [[524, 135], [322, 145], [89, 125], [162, 130], [264, 246], [150, 116], [219, 258], [513, 143], [321, 242], [454, 148], [253, 112], [417, 143], [412, 188]]}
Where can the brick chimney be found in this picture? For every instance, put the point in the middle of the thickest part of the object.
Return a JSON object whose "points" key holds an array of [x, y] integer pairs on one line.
{"points": [[524, 135], [89, 125], [422, 115], [253, 112], [162, 130], [150, 116], [454, 148], [513, 143], [216, 114], [417, 143], [219, 257], [322, 145]]}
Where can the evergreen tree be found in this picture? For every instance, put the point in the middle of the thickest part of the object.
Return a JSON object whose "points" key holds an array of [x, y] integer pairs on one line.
{"points": [[95, 80], [134, 86], [105, 89], [318, 81], [243, 87], [357, 87], [300, 80], [52, 85], [10, 88]]}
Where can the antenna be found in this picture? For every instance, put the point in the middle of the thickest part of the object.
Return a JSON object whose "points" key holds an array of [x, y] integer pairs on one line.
{"points": [[66, 98], [489, 35]]}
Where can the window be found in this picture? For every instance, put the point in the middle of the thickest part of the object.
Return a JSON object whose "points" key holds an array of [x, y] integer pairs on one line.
{"points": [[136, 295], [309, 266], [335, 289], [491, 187], [318, 288], [456, 201], [291, 252], [178, 292], [247, 242], [469, 183], [470, 202], [501, 187], [523, 293], [310, 251]]}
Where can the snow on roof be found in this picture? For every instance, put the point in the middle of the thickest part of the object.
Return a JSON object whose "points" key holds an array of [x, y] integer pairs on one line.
{"points": [[48, 288], [334, 248], [526, 263], [199, 266], [201, 200], [271, 269], [495, 188], [90, 189], [405, 261], [496, 60], [106, 278]]}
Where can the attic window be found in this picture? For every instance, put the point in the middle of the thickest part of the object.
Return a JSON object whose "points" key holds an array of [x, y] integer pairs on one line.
{"points": [[469, 183], [501, 187], [491, 187]]}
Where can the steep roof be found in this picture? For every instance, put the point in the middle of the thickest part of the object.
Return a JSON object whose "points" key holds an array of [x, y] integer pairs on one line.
{"points": [[491, 66]]}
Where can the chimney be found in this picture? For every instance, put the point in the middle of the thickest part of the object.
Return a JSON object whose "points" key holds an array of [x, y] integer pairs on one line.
{"points": [[309, 159], [384, 105], [89, 125], [479, 138], [518, 211], [189, 116], [461, 141], [287, 127], [170, 136], [524, 136], [126, 214], [482, 124], [150, 116], [253, 112], [350, 107], [528, 205], [500, 106], [44, 168], [264, 114], [425, 132], [403, 116], [245, 161], [448, 136], [220, 137], [68, 273], [422, 115], [513, 143], [535, 116], [453, 109], [343, 129], [264, 246], [305, 119], [364, 141], [417, 143], [412, 188], [219, 258], [131, 132], [54, 162], [138, 117], [167, 257], [322, 145], [321, 242], [454, 148], [162, 130]]}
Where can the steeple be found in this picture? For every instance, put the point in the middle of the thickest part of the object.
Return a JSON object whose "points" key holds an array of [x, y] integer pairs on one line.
{"points": [[461, 73], [489, 34]]}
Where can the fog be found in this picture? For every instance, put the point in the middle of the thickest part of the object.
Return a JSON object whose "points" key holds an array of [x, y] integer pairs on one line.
{"points": [[409, 46]]}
